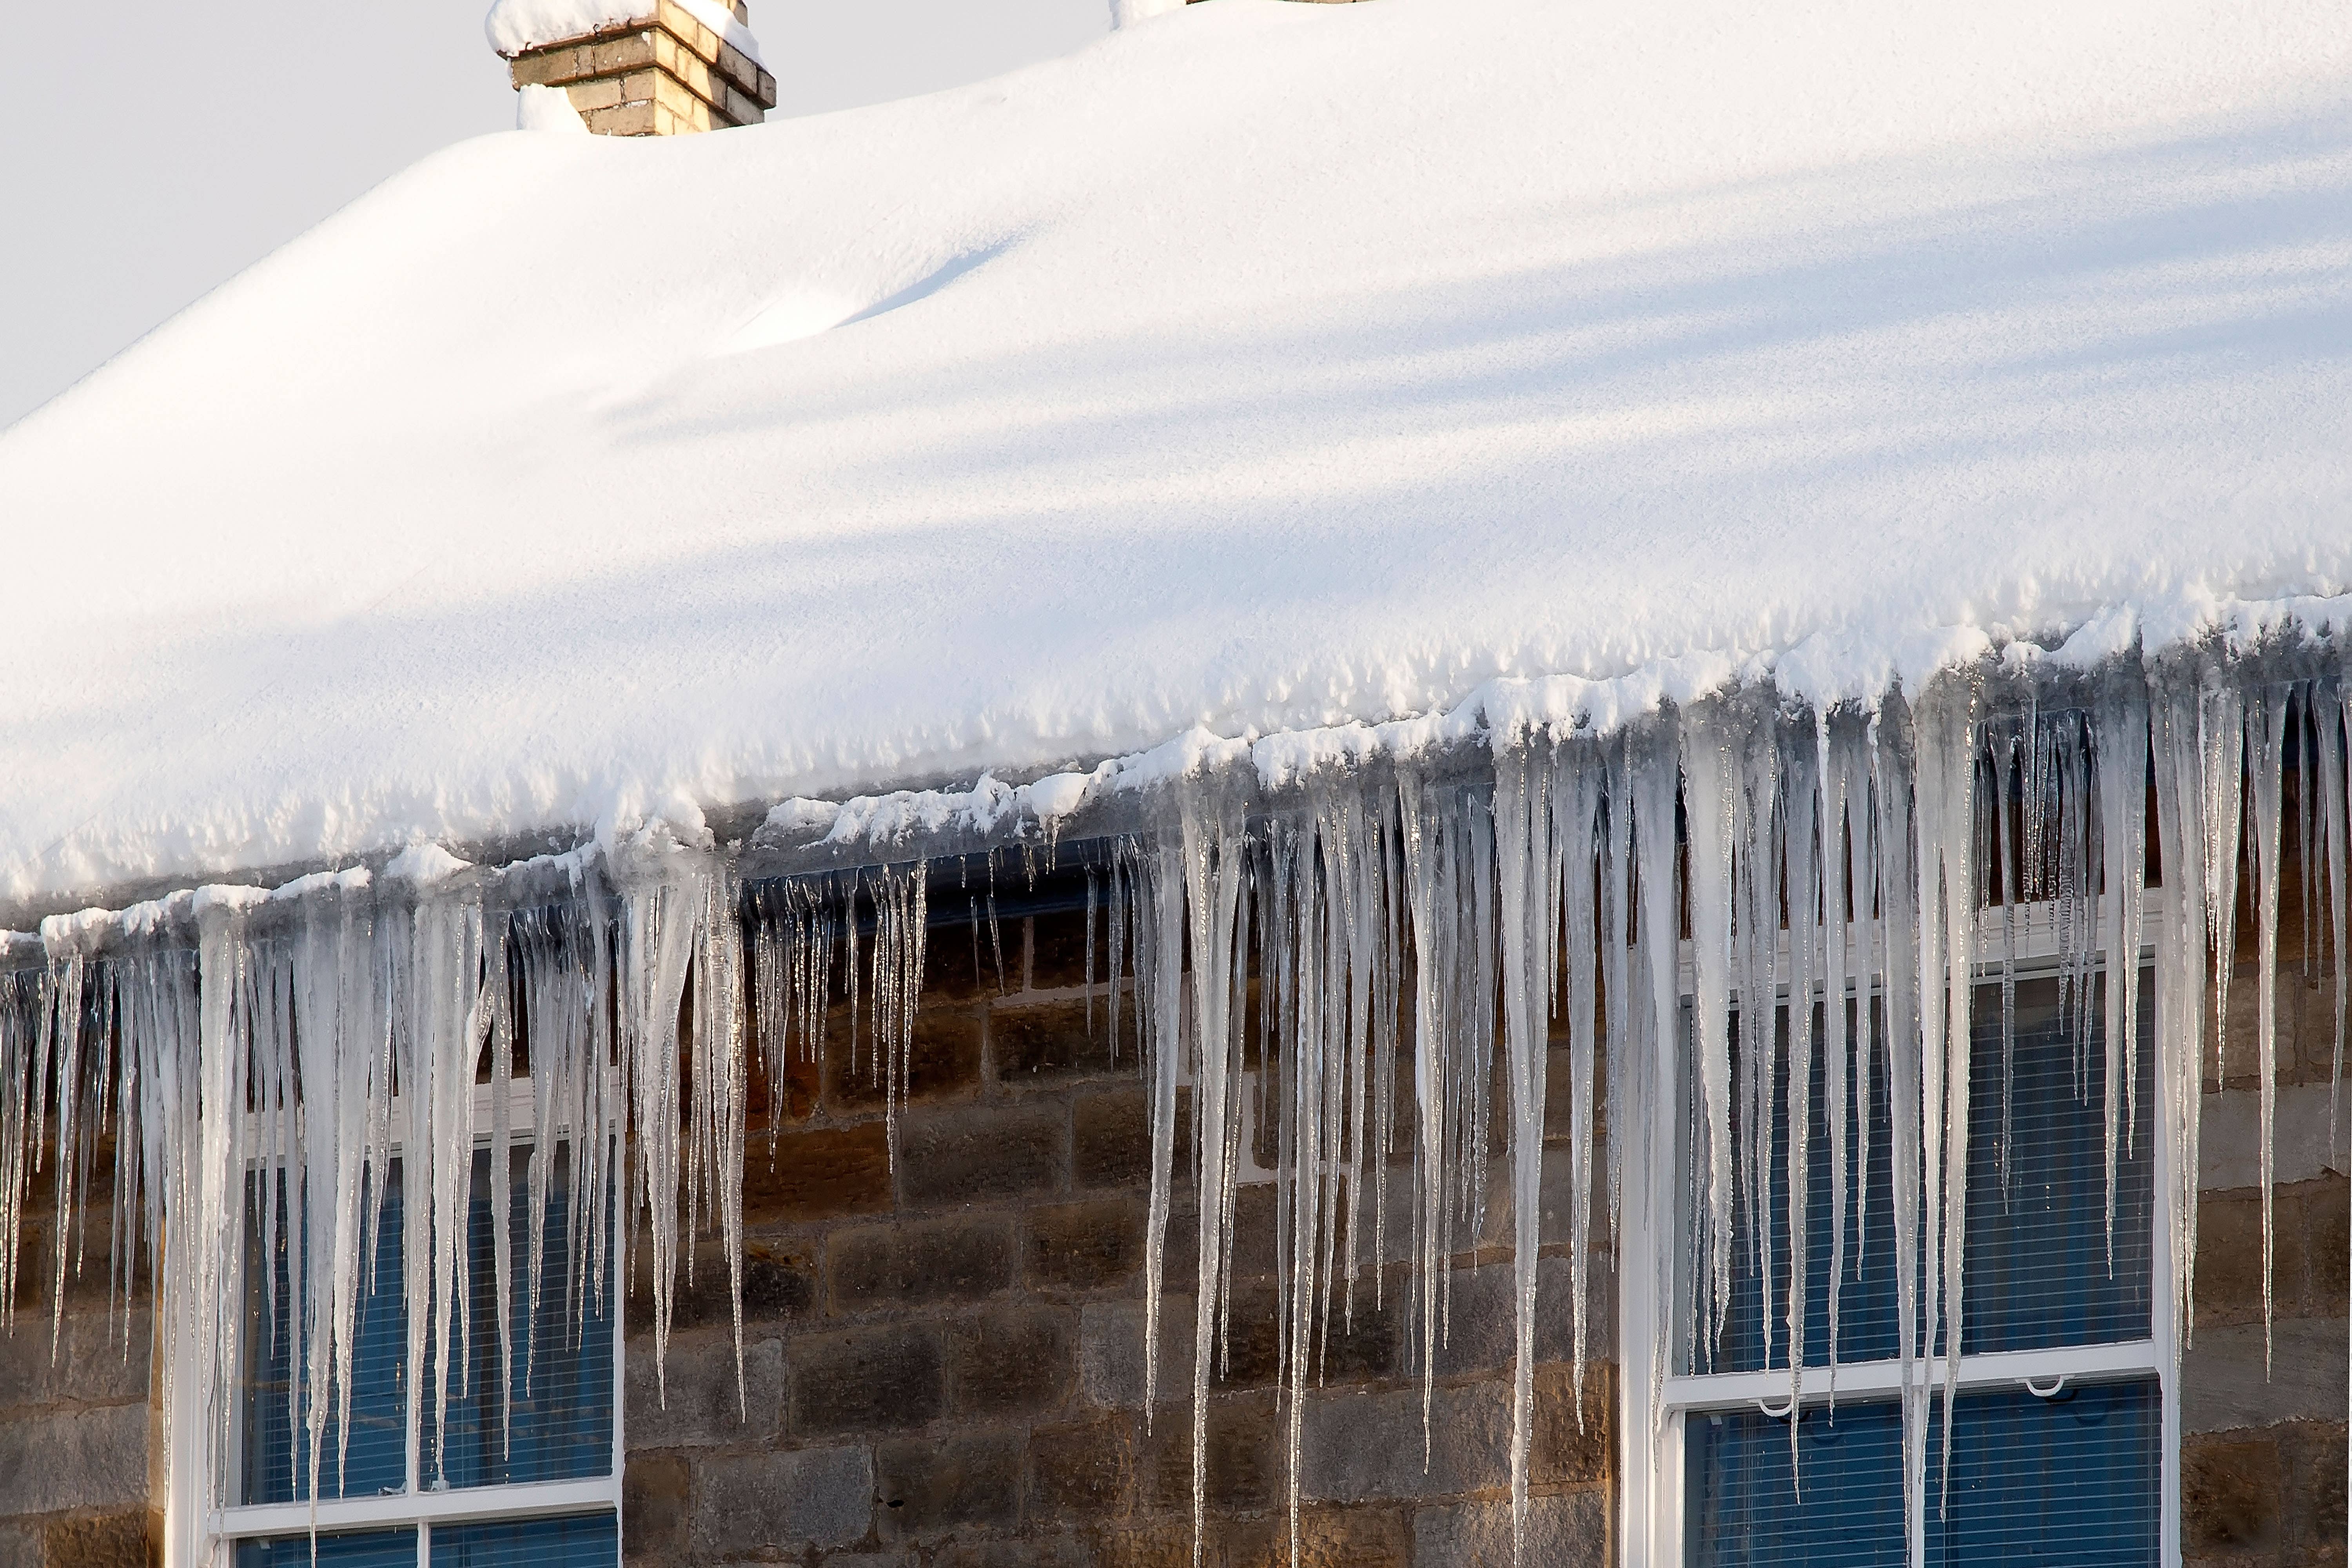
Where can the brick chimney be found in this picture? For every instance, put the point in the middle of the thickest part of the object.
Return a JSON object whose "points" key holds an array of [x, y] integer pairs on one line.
{"points": [[666, 69]]}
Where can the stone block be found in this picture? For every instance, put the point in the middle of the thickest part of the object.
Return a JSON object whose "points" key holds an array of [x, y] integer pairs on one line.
{"points": [[1057, 943], [1566, 1531], [1085, 1247], [1111, 1134], [655, 1498], [21, 1543], [780, 1285], [823, 1173], [783, 1502], [1349, 1353], [109, 1541], [94, 1362], [596, 92], [2229, 1142], [694, 76], [1087, 1473], [1032, 1550], [2230, 1254], [1575, 1440], [1375, 1537], [696, 1401], [1014, 1361], [550, 67], [1362, 1445], [690, 31], [1242, 1448], [1156, 1543], [959, 964], [1256, 1240], [966, 1155], [2326, 1240], [736, 68], [962, 1258], [881, 1379], [968, 1480], [1110, 1352], [623, 120], [942, 1064], [2230, 1492], [85, 1458], [629, 52], [771, 1103], [2224, 1384], [1052, 1043], [1482, 1333]]}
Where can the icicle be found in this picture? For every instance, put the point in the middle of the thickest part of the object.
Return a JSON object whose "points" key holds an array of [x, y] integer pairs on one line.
{"points": [[1899, 900], [2121, 754], [662, 902], [2267, 729], [1946, 778], [1213, 871], [1157, 875], [1526, 865], [1713, 813], [1845, 837], [721, 1066], [2182, 990], [2328, 704], [1802, 821]]}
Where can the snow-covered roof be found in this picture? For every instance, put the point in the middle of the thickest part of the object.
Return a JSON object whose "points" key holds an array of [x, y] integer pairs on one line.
{"points": [[1264, 366]]}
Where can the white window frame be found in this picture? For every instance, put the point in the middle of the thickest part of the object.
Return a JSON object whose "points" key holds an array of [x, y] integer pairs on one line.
{"points": [[1654, 1402], [416, 1506]]}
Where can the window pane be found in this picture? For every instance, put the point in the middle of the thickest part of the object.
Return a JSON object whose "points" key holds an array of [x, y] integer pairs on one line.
{"points": [[2037, 1272], [360, 1549], [2072, 1479], [558, 1425], [561, 1406], [276, 1448], [581, 1540]]}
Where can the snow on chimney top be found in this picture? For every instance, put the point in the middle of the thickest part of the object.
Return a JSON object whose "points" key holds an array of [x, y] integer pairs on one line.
{"points": [[638, 68]]}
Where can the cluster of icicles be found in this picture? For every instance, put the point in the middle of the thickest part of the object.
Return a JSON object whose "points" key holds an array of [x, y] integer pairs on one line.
{"points": [[1449, 910]]}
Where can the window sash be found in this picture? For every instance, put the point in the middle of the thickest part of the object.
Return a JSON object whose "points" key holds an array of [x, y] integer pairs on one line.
{"points": [[1654, 1398]]}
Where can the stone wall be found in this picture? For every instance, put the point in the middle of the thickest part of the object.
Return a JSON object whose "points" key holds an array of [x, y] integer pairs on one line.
{"points": [[2263, 1449], [945, 1364], [79, 1432]]}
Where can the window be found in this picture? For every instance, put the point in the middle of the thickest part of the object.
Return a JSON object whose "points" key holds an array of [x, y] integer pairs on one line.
{"points": [[508, 1477], [2062, 1445]]}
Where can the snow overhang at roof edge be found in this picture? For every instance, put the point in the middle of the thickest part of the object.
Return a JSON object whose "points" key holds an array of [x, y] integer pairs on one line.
{"points": [[807, 835]]}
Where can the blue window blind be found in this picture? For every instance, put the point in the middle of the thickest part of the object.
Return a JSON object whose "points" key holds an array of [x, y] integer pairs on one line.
{"points": [[357, 1548], [2037, 1273], [2072, 1479], [559, 1425], [277, 1451], [581, 1540]]}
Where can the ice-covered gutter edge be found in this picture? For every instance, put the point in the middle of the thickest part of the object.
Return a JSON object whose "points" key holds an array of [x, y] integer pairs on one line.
{"points": [[1826, 670]]}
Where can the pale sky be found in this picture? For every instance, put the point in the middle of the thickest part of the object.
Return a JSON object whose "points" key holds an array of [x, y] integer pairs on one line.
{"points": [[167, 146]]}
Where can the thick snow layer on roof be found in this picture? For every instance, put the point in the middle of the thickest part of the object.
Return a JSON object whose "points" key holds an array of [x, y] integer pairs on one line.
{"points": [[1264, 366]]}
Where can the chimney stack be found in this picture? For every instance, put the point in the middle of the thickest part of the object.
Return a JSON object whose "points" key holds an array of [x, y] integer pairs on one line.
{"points": [[639, 68]]}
